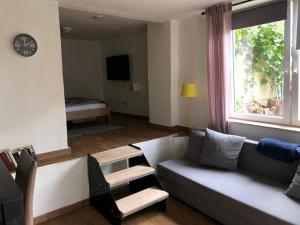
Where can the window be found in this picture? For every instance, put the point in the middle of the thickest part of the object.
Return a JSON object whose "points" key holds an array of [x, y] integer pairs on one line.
{"points": [[259, 69], [263, 87]]}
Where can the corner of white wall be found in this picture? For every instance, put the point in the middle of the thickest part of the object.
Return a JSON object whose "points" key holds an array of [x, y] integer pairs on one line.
{"points": [[159, 73], [193, 68], [182, 58], [32, 99]]}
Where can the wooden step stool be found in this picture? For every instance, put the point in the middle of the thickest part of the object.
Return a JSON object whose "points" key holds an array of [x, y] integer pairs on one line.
{"points": [[139, 176]]}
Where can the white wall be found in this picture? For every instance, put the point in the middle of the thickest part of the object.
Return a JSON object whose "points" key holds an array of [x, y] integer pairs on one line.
{"points": [[31, 94], [192, 68], [135, 45], [82, 68], [159, 73], [163, 149], [62, 184], [174, 71], [59, 185], [177, 54], [258, 132]]}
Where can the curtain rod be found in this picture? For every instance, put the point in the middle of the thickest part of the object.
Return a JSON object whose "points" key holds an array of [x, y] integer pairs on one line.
{"points": [[238, 3]]}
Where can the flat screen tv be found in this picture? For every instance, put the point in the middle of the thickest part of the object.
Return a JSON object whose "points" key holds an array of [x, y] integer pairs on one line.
{"points": [[117, 67]]}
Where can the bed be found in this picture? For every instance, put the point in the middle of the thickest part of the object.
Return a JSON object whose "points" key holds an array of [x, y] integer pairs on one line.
{"points": [[83, 108]]}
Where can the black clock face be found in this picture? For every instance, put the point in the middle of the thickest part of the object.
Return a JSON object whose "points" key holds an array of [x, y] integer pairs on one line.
{"points": [[25, 45]]}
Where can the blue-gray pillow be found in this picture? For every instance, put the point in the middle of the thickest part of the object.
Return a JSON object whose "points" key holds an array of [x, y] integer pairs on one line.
{"points": [[221, 150], [294, 188], [195, 145]]}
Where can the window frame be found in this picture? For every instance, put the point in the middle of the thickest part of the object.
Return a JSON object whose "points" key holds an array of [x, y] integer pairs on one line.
{"points": [[287, 98], [295, 98]]}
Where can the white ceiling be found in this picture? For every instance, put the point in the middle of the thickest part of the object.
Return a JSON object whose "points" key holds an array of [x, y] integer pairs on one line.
{"points": [[86, 27], [147, 10], [126, 16]]}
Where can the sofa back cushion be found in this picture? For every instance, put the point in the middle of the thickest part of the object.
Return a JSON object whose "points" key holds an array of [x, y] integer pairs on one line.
{"points": [[195, 145], [294, 188], [251, 160], [221, 150]]}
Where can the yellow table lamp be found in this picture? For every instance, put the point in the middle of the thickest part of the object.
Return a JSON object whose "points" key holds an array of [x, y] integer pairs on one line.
{"points": [[189, 90]]}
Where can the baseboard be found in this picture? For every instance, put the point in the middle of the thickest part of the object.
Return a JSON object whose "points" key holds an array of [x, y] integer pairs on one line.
{"points": [[60, 212], [182, 128], [163, 127], [50, 156], [131, 115], [170, 128]]}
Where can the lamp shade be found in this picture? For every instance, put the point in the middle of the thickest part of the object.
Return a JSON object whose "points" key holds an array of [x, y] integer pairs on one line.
{"points": [[189, 90]]}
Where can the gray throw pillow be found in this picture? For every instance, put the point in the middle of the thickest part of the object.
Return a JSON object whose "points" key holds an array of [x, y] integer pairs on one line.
{"points": [[294, 188], [221, 150], [195, 145]]}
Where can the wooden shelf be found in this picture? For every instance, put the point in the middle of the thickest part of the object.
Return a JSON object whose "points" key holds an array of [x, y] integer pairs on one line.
{"points": [[116, 155], [140, 200], [129, 174]]}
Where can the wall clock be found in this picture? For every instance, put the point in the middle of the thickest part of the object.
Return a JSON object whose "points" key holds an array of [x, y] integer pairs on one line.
{"points": [[25, 45]]}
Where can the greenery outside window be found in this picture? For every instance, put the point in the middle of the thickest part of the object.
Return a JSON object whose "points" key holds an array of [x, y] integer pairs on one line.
{"points": [[259, 69], [262, 87]]}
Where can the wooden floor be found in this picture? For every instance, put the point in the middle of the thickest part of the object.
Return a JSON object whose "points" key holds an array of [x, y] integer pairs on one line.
{"points": [[133, 130], [177, 214]]}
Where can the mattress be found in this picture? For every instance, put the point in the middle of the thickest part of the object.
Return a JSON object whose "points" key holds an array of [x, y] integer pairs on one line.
{"points": [[75, 108], [79, 104]]}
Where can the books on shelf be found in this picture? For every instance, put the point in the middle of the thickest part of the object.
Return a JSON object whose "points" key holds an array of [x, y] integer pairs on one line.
{"points": [[11, 157], [6, 160]]}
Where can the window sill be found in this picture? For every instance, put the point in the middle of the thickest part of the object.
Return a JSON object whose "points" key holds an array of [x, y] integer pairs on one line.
{"points": [[268, 125]]}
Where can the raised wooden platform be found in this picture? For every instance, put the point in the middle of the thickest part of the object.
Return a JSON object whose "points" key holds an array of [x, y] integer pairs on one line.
{"points": [[133, 131]]}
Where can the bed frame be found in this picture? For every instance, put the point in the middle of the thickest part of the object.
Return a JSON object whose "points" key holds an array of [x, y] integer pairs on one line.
{"points": [[89, 113]]}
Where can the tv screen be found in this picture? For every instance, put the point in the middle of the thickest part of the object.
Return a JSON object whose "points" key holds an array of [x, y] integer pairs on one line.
{"points": [[117, 67]]}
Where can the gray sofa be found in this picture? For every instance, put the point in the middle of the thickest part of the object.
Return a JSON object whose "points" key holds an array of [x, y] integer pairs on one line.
{"points": [[252, 195]]}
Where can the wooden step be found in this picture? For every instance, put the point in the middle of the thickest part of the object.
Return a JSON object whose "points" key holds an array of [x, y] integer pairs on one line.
{"points": [[140, 200], [129, 174], [116, 155]]}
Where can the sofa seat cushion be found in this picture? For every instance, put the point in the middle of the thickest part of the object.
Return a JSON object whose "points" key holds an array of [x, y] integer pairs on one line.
{"points": [[251, 197]]}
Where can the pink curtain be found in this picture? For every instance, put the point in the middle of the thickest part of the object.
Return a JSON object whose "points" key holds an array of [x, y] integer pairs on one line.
{"points": [[219, 22]]}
